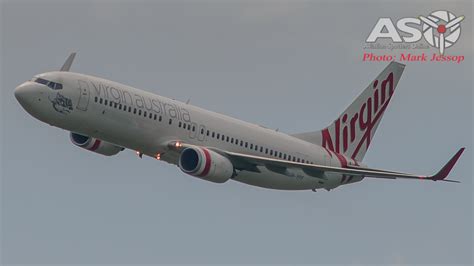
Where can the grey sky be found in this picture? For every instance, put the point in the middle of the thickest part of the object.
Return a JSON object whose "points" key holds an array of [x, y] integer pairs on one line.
{"points": [[292, 66]]}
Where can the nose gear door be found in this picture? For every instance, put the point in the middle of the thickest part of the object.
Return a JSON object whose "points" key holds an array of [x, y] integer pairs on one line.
{"points": [[84, 95]]}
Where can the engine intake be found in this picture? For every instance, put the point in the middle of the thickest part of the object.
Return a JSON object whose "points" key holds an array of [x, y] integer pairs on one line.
{"points": [[95, 145], [205, 164]]}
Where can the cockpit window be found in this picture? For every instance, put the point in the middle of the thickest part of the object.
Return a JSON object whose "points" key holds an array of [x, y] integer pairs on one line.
{"points": [[52, 85]]}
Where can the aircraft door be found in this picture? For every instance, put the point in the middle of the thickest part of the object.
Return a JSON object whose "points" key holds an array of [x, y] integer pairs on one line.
{"points": [[84, 95], [201, 133], [193, 131]]}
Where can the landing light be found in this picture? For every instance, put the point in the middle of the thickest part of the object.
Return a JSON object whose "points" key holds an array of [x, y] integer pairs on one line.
{"points": [[158, 156], [178, 144], [140, 154]]}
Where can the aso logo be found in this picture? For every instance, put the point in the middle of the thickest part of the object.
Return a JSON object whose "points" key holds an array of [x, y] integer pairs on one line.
{"points": [[440, 29]]}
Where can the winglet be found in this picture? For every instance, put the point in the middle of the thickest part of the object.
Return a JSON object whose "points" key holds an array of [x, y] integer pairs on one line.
{"points": [[443, 173], [68, 63]]}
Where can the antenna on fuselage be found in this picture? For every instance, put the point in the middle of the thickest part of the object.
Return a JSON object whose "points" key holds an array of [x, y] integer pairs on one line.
{"points": [[67, 65]]}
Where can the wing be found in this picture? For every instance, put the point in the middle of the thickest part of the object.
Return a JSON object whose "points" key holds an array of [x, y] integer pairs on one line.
{"points": [[249, 162]]}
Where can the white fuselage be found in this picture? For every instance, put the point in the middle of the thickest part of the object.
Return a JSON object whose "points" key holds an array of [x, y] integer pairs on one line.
{"points": [[146, 122]]}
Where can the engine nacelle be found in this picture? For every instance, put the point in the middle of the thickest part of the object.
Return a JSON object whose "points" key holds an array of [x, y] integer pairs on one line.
{"points": [[95, 145], [205, 164]]}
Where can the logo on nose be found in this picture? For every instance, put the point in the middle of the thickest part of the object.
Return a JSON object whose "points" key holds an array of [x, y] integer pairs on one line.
{"points": [[61, 104]]}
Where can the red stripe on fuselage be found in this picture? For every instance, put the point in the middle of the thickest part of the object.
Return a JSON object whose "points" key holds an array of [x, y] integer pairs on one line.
{"points": [[207, 165]]}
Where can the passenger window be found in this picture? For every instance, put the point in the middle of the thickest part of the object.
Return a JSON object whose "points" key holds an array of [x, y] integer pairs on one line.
{"points": [[154, 117], [227, 139], [179, 124], [207, 133], [251, 146], [111, 104], [261, 149], [95, 98], [100, 100], [266, 150], [241, 143], [246, 144], [139, 112], [189, 127], [144, 113], [231, 140], [218, 135], [150, 115], [194, 128], [202, 131], [271, 152], [213, 134], [120, 106], [170, 121], [256, 147], [134, 110], [159, 118], [106, 102]]}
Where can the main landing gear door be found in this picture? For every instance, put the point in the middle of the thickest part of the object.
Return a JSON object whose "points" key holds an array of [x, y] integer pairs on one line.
{"points": [[83, 96]]}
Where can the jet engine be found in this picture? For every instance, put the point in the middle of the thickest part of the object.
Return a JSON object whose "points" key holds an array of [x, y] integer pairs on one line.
{"points": [[95, 145], [205, 164]]}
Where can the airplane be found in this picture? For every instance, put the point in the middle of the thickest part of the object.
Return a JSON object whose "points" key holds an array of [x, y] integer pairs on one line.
{"points": [[107, 117]]}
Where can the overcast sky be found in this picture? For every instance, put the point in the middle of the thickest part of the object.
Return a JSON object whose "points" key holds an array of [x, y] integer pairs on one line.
{"points": [[293, 66]]}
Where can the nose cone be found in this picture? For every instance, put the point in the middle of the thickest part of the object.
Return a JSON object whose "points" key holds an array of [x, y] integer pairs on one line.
{"points": [[24, 93]]}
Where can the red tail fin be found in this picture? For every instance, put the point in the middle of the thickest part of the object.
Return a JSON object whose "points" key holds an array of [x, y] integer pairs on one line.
{"points": [[352, 132]]}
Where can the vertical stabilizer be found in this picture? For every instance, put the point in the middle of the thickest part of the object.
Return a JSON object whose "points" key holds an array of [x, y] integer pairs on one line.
{"points": [[67, 65], [352, 132]]}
